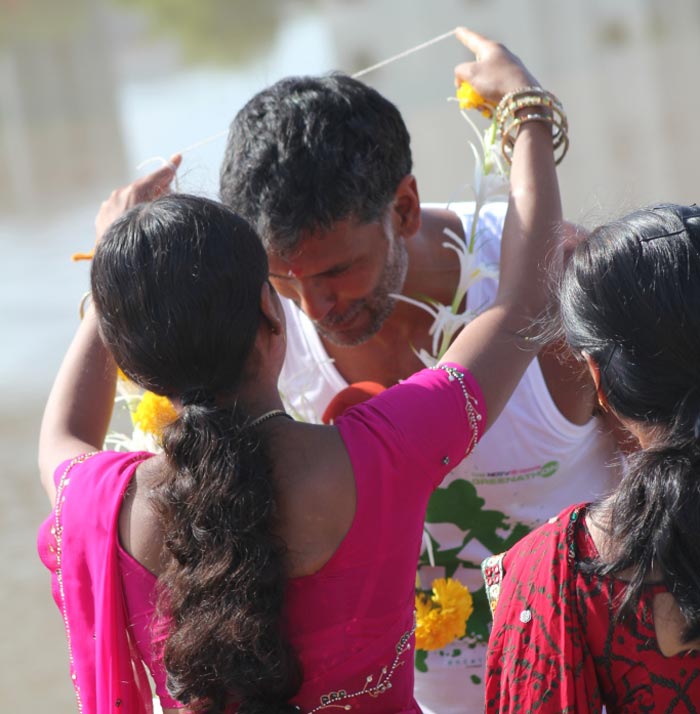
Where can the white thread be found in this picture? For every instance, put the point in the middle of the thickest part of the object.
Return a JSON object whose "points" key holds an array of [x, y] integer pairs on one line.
{"points": [[403, 54], [361, 73], [202, 142], [164, 162]]}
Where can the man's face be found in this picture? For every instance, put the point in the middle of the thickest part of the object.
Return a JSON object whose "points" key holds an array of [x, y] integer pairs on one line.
{"points": [[342, 278]]}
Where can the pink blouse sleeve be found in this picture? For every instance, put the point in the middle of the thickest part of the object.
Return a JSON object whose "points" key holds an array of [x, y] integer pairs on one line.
{"points": [[427, 423]]}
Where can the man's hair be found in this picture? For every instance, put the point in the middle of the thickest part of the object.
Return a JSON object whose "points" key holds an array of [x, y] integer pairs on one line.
{"points": [[308, 152]]}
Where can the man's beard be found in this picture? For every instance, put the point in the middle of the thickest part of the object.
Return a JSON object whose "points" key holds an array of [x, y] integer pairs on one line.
{"points": [[378, 306]]}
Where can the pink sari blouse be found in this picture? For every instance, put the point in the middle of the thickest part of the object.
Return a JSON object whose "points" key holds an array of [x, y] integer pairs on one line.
{"points": [[351, 623]]}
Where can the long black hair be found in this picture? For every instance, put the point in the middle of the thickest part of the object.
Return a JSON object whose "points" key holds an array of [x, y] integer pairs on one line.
{"points": [[630, 297], [177, 286]]}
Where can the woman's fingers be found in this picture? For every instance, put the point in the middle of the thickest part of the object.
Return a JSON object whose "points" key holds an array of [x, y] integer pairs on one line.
{"points": [[495, 71], [473, 40], [146, 188], [155, 184]]}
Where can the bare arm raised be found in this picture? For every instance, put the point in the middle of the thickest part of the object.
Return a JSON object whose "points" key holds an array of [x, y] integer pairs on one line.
{"points": [[491, 347], [79, 407]]}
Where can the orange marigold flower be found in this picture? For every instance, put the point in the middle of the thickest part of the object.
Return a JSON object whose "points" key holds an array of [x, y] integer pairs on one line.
{"points": [[442, 617], [469, 98], [154, 413]]}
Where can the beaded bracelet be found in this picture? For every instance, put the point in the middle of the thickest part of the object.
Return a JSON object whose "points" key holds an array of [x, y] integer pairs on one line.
{"points": [[550, 111]]}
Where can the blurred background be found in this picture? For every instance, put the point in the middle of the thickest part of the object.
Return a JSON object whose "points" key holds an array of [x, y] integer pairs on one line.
{"points": [[91, 88]]}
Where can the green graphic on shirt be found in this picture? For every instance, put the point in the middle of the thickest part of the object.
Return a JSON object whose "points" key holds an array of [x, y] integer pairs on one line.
{"points": [[460, 505], [420, 661], [549, 469], [502, 478]]}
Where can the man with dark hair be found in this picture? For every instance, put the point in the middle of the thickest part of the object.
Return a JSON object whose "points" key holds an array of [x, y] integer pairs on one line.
{"points": [[321, 167]]}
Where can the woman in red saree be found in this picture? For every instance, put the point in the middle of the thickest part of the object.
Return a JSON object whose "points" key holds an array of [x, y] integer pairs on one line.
{"points": [[601, 606]]}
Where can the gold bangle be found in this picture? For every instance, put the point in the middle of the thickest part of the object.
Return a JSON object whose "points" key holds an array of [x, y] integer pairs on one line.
{"points": [[559, 138], [558, 123], [87, 297], [510, 133], [551, 112]]}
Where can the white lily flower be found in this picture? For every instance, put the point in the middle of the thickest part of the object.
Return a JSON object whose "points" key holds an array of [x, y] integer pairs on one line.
{"points": [[446, 323], [487, 187], [490, 172], [490, 183], [470, 272]]}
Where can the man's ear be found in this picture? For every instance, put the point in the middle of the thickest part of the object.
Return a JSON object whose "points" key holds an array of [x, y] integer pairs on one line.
{"points": [[406, 207], [594, 369]]}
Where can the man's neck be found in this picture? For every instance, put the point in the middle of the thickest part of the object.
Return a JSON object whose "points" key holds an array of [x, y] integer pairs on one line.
{"points": [[433, 270]]}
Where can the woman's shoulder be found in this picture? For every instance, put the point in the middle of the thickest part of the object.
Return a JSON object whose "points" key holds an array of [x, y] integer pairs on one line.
{"points": [[558, 531], [537, 563], [95, 464], [426, 424]]}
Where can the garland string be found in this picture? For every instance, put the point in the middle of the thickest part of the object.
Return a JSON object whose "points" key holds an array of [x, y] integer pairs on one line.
{"points": [[360, 73]]}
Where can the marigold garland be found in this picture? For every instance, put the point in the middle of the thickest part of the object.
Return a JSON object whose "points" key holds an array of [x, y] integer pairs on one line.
{"points": [[442, 616], [153, 414]]}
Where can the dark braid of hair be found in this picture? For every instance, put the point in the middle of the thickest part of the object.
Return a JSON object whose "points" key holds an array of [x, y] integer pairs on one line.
{"points": [[177, 287], [225, 576], [630, 297]]}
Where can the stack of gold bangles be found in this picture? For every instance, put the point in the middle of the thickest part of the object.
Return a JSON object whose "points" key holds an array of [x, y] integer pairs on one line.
{"points": [[531, 104]]}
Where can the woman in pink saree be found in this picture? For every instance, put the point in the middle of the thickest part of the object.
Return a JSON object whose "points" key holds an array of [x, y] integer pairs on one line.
{"points": [[258, 564]]}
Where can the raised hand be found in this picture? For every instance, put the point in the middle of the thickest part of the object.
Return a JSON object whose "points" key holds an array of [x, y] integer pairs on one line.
{"points": [[495, 71], [146, 188]]}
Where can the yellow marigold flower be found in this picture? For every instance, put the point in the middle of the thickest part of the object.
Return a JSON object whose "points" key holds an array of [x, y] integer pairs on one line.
{"points": [[469, 98], [154, 413], [442, 617], [451, 595]]}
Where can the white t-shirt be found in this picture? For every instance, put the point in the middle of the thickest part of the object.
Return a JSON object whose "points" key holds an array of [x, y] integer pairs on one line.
{"points": [[530, 464]]}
